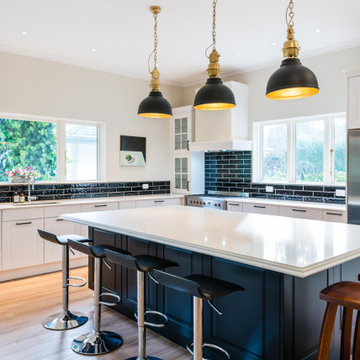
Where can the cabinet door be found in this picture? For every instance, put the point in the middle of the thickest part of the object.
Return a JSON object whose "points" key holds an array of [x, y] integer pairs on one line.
{"points": [[353, 111], [234, 206], [53, 252], [180, 177], [100, 207], [157, 202], [22, 246], [261, 209], [334, 215], [127, 205], [181, 131], [301, 212]]}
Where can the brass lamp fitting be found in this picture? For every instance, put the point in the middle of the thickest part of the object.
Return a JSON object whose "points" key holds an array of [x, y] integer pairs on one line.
{"points": [[155, 81], [213, 69], [291, 46]]}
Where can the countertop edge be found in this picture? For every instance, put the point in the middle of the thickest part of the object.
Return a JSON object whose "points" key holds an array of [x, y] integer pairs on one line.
{"points": [[259, 263]]}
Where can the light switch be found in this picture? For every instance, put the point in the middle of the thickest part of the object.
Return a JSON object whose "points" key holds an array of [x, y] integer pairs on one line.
{"points": [[269, 189], [145, 186]]}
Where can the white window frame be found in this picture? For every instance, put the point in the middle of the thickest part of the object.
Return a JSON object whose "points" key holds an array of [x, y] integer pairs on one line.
{"points": [[61, 144], [329, 142]]}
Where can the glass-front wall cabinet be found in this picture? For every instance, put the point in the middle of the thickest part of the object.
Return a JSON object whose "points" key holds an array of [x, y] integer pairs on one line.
{"points": [[181, 172]]}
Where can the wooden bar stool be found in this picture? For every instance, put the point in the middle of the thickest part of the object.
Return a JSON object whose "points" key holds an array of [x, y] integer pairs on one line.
{"points": [[347, 295]]}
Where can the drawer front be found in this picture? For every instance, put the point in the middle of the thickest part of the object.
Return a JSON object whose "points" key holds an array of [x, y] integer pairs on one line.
{"points": [[100, 207], [261, 209], [157, 202], [55, 211], [33, 212], [300, 212], [336, 216], [234, 206], [127, 204]]}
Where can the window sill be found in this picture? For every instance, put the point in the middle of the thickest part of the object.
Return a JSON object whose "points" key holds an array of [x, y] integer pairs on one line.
{"points": [[300, 184]]}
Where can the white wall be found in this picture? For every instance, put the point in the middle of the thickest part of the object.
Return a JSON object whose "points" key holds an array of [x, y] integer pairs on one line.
{"points": [[37, 87], [332, 97]]}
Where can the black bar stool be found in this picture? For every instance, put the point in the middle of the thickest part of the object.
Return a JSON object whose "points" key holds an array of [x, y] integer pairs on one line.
{"points": [[65, 320], [202, 288], [97, 342], [143, 264]]}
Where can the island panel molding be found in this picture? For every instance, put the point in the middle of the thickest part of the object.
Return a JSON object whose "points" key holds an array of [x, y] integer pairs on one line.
{"points": [[231, 171]]}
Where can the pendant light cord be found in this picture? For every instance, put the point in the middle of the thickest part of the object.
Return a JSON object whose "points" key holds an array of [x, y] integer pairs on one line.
{"points": [[290, 14], [213, 44], [154, 52]]}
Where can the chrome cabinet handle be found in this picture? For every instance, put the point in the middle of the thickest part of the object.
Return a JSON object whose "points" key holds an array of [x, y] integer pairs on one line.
{"points": [[259, 206], [59, 219], [188, 145], [335, 214], [299, 210], [24, 223], [159, 201], [234, 204], [101, 205]]}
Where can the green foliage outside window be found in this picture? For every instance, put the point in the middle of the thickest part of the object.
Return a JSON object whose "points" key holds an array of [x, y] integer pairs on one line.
{"points": [[28, 143]]}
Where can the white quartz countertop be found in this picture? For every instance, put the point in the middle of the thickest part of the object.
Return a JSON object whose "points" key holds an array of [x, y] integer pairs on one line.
{"points": [[289, 203], [48, 203], [291, 246]]}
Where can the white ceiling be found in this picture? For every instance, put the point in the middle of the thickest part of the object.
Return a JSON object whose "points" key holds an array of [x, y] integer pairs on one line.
{"points": [[121, 32]]}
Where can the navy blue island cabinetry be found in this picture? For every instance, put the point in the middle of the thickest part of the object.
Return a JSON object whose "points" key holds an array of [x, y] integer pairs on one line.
{"points": [[277, 317]]}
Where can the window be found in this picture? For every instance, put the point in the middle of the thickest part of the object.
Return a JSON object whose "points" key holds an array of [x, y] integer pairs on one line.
{"points": [[301, 150], [81, 152], [59, 150]]}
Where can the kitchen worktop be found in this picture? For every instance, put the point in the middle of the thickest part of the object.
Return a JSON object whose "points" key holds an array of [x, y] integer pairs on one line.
{"points": [[290, 246], [290, 203], [50, 203]]}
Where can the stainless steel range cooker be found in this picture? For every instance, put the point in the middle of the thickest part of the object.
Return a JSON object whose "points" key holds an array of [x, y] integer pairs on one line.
{"points": [[213, 199]]}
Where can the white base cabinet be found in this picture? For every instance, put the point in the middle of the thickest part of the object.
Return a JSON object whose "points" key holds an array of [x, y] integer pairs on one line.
{"points": [[22, 246], [261, 209], [300, 212]]}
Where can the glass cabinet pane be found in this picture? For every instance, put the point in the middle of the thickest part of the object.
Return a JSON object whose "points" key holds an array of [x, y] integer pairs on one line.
{"points": [[177, 181], [184, 125], [184, 141], [177, 126], [184, 180], [178, 142], [184, 165], [177, 165]]}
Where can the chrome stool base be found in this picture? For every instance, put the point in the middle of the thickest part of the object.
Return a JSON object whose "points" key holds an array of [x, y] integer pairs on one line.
{"points": [[146, 358], [97, 344], [65, 321], [189, 347]]}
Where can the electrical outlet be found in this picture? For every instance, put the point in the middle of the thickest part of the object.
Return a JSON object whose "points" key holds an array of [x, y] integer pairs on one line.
{"points": [[145, 186], [340, 192], [269, 189]]}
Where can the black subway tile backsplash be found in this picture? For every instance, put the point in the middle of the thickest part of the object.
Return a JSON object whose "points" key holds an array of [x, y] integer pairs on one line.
{"points": [[85, 190], [230, 171]]}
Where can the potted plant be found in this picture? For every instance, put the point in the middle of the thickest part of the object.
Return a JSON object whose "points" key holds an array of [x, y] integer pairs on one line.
{"points": [[21, 175]]}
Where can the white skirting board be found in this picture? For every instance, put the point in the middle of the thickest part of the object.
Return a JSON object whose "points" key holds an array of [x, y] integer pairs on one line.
{"points": [[40, 269]]}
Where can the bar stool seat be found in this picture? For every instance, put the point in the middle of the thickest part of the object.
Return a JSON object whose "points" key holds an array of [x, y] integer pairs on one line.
{"points": [[65, 320], [97, 341], [201, 287], [142, 264], [347, 295]]}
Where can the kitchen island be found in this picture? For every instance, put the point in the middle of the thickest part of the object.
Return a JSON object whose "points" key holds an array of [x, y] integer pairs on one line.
{"points": [[282, 263]]}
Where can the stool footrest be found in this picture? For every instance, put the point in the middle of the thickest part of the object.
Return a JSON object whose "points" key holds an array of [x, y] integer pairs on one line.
{"points": [[83, 283], [211, 346], [152, 312], [111, 294]]}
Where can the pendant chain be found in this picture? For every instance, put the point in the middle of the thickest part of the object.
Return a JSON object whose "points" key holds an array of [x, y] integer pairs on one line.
{"points": [[214, 25], [155, 40], [290, 14]]}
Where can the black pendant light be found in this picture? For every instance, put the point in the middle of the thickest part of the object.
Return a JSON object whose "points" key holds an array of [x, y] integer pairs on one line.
{"points": [[155, 105], [292, 80], [214, 95]]}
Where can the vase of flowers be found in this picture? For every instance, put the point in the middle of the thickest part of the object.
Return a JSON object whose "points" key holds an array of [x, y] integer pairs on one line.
{"points": [[21, 175]]}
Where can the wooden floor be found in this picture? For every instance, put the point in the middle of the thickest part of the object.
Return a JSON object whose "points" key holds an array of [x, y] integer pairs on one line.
{"points": [[25, 303]]}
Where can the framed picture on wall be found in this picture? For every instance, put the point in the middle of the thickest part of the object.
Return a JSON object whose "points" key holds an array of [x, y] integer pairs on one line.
{"points": [[132, 150]]}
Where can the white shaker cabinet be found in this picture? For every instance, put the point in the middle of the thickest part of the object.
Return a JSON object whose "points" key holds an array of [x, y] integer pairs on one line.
{"points": [[353, 105], [157, 202], [261, 208], [301, 212], [22, 246], [53, 252]]}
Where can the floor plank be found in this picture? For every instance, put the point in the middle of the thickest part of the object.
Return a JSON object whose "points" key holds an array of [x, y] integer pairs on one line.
{"points": [[25, 303]]}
